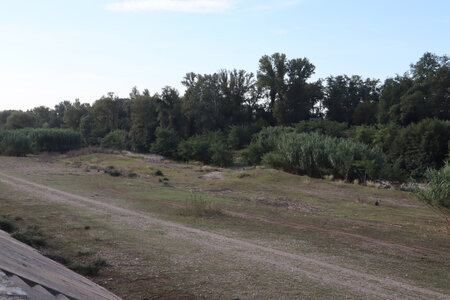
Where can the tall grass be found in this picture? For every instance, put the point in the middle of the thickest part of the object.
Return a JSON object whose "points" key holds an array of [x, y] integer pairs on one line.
{"points": [[53, 140], [14, 143], [196, 206], [20, 142], [316, 155], [437, 192]]}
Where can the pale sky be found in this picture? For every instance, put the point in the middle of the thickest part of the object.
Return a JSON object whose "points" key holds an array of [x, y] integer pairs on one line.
{"points": [[55, 50]]}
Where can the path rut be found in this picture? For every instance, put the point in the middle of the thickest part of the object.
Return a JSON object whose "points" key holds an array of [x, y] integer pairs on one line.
{"points": [[295, 263]]}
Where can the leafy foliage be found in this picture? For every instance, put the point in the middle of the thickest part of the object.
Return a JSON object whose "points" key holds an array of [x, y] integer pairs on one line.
{"points": [[406, 116], [240, 136], [420, 146], [117, 139], [263, 142], [166, 143], [206, 148], [323, 126]]}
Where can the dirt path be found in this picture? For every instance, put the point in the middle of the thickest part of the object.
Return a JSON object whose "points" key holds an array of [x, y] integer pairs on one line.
{"points": [[408, 249], [295, 263]]}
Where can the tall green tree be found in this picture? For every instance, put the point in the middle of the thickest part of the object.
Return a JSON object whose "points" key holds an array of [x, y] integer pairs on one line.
{"points": [[290, 97], [271, 77], [169, 109], [20, 119], [144, 121], [73, 114], [343, 94]]}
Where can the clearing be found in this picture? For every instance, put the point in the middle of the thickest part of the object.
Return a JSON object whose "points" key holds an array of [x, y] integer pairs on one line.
{"points": [[199, 232]]}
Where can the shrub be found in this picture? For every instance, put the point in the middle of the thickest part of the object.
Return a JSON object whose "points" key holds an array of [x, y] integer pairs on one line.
{"points": [[117, 139], [89, 150], [196, 206], [240, 136], [196, 148], [363, 134], [275, 160], [253, 154], [421, 146], [31, 236], [221, 156], [6, 224], [322, 126], [207, 148], [89, 269], [14, 143], [263, 142], [166, 143]]}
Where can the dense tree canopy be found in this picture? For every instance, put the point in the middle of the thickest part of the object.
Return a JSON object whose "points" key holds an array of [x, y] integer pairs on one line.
{"points": [[406, 115]]}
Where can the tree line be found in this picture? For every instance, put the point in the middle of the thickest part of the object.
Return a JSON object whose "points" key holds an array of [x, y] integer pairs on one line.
{"points": [[406, 116]]}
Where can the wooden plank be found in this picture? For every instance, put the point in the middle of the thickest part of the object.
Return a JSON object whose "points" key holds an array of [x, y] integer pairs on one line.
{"points": [[25, 262]]}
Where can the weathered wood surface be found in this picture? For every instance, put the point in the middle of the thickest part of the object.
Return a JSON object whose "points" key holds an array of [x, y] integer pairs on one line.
{"points": [[27, 263]]}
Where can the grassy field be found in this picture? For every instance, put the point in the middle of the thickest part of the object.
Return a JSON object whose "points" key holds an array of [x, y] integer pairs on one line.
{"points": [[192, 231]]}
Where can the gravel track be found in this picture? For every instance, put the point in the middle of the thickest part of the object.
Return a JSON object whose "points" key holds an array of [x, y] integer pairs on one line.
{"points": [[297, 264]]}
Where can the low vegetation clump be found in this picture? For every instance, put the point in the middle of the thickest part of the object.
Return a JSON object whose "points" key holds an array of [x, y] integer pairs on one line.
{"points": [[196, 206], [323, 126], [34, 237], [89, 150], [117, 139], [206, 148], [6, 224], [263, 142], [166, 143], [31, 236], [91, 268], [240, 136]]}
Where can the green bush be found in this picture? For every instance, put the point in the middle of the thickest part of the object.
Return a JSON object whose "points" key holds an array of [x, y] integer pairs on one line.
{"points": [[275, 160], [116, 139], [421, 146], [322, 126], [221, 155], [208, 148], [14, 143], [31, 236], [363, 134], [6, 224], [263, 142], [166, 143], [196, 148], [240, 136], [89, 269], [196, 206]]}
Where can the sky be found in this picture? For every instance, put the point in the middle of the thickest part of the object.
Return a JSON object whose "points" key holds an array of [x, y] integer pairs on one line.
{"points": [[56, 50]]}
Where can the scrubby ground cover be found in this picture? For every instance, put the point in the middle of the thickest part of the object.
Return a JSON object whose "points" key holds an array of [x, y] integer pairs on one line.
{"points": [[202, 232]]}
